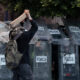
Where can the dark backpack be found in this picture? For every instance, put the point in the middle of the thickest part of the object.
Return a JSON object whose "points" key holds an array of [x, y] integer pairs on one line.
{"points": [[12, 55]]}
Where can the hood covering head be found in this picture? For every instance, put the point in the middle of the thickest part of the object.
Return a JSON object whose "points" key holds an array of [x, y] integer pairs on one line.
{"points": [[16, 31]]}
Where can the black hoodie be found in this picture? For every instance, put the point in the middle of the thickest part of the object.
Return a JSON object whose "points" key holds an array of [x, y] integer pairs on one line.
{"points": [[23, 42]]}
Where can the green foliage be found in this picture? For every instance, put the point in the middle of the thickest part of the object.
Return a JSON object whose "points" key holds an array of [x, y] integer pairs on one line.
{"points": [[44, 7]]}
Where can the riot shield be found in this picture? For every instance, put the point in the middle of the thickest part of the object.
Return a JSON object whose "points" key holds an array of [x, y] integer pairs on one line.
{"points": [[40, 50]]}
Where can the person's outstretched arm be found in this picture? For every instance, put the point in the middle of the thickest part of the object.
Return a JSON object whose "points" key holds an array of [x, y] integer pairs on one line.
{"points": [[29, 34], [19, 19]]}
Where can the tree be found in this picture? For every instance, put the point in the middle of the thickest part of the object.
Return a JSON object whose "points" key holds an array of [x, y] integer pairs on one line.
{"points": [[45, 7]]}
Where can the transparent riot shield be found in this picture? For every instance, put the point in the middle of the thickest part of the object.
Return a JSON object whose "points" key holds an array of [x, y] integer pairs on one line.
{"points": [[40, 52], [74, 32], [75, 36], [68, 55], [68, 62], [57, 38], [64, 56], [42, 61]]}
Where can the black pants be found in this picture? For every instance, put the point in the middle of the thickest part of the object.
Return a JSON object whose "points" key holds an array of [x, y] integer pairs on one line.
{"points": [[23, 72]]}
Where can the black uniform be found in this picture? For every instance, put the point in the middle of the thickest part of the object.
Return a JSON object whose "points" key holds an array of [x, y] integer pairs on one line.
{"points": [[23, 71]]}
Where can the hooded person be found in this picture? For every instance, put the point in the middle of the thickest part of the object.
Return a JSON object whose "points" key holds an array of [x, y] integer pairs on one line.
{"points": [[23, 71]]}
